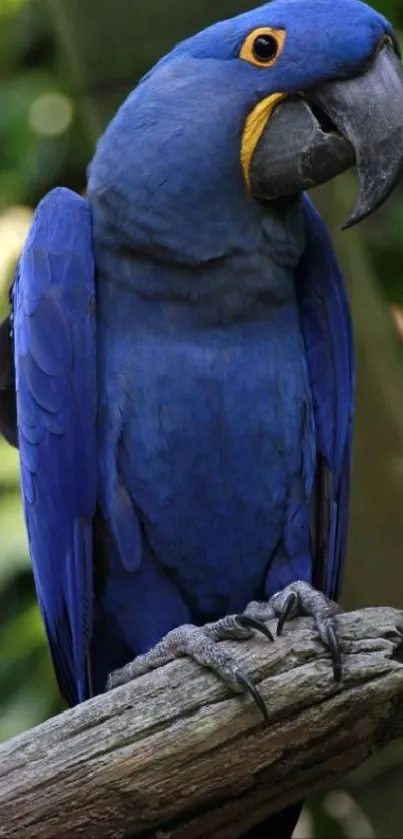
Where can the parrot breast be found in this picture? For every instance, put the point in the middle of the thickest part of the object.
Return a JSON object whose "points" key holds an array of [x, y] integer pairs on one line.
{"points": [[213, 440]]}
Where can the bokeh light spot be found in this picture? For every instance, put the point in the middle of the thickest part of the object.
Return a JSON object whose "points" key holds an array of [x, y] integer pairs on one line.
{"points": [[51, 114]]}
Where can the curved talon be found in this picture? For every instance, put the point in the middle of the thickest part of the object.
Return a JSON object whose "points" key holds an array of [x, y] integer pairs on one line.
{"points": [[252, 623], [334, 648], [245, 682], [290, 604]]}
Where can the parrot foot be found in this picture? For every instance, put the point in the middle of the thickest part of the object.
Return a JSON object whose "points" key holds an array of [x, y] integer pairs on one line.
{"points": [[200, 643], [297, 599]]}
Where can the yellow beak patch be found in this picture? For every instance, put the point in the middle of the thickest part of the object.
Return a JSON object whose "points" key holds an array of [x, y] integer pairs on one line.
{"points": [[253, 130]]}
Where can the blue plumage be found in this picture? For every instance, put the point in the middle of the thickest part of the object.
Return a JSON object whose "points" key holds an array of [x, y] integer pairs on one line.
{"points": [[197, 441], [328, 340], [192, 453], [54, 328]]}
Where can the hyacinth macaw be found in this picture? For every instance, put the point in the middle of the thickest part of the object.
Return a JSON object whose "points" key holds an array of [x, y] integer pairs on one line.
{"points": [[177, 366]]}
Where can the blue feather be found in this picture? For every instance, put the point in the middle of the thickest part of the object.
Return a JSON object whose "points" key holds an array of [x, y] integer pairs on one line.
{"points": [[54, 335], [326, 324]]}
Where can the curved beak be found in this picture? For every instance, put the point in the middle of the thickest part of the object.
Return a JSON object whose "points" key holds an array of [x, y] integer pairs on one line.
{"points": [[313, 138]]}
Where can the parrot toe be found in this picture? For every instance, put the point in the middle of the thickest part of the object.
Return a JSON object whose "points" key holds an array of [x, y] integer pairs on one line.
{"points": [[297, 599], [201, 644]]}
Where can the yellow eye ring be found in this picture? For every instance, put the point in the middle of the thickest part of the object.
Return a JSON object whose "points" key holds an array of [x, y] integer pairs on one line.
{"points": [[263, 46]]}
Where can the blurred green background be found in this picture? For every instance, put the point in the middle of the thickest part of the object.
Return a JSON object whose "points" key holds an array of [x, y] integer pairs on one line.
{"points": [[65, 65]]}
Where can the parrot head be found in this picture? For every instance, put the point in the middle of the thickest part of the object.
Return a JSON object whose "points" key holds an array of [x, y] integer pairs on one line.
{"points": [[254, 110]]}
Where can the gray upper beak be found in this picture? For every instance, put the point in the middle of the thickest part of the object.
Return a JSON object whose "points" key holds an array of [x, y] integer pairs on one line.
{"points": [[312, 139]]}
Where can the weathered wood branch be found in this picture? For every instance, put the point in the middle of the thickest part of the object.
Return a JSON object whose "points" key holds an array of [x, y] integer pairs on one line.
{"points": [[174, 755]]}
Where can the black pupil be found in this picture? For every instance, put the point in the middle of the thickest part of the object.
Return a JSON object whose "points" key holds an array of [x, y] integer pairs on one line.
{"points": [[265, 47]]}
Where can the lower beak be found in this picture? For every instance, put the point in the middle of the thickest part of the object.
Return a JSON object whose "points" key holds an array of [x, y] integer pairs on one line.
{"points": [[312, 139]]}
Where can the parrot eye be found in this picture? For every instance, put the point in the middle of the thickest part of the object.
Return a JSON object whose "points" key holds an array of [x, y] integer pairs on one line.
{"points": [[265, 48], [262, 47]]}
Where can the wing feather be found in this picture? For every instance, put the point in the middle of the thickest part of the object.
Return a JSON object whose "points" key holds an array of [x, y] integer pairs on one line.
{"points": [[55, 370], [326, 324]]}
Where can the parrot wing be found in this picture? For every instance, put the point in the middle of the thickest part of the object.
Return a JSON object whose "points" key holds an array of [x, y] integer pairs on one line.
{"points": [[53, 326], [326, 324]]}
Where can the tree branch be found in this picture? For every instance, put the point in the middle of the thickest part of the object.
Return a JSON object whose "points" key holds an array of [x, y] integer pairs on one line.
{"points": [[174, 755]]}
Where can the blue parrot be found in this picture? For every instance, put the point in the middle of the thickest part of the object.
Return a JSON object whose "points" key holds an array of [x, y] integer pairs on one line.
{"points": [[177, 366]]}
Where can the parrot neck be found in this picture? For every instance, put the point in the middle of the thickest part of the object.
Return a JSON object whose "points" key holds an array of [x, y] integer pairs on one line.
{"points": [[195, 230], [175, 233], [238, 285]]}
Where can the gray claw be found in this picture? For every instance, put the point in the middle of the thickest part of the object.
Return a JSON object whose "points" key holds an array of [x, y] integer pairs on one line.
{"points": [[290, 605], [248, 686], [252, 623]]}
